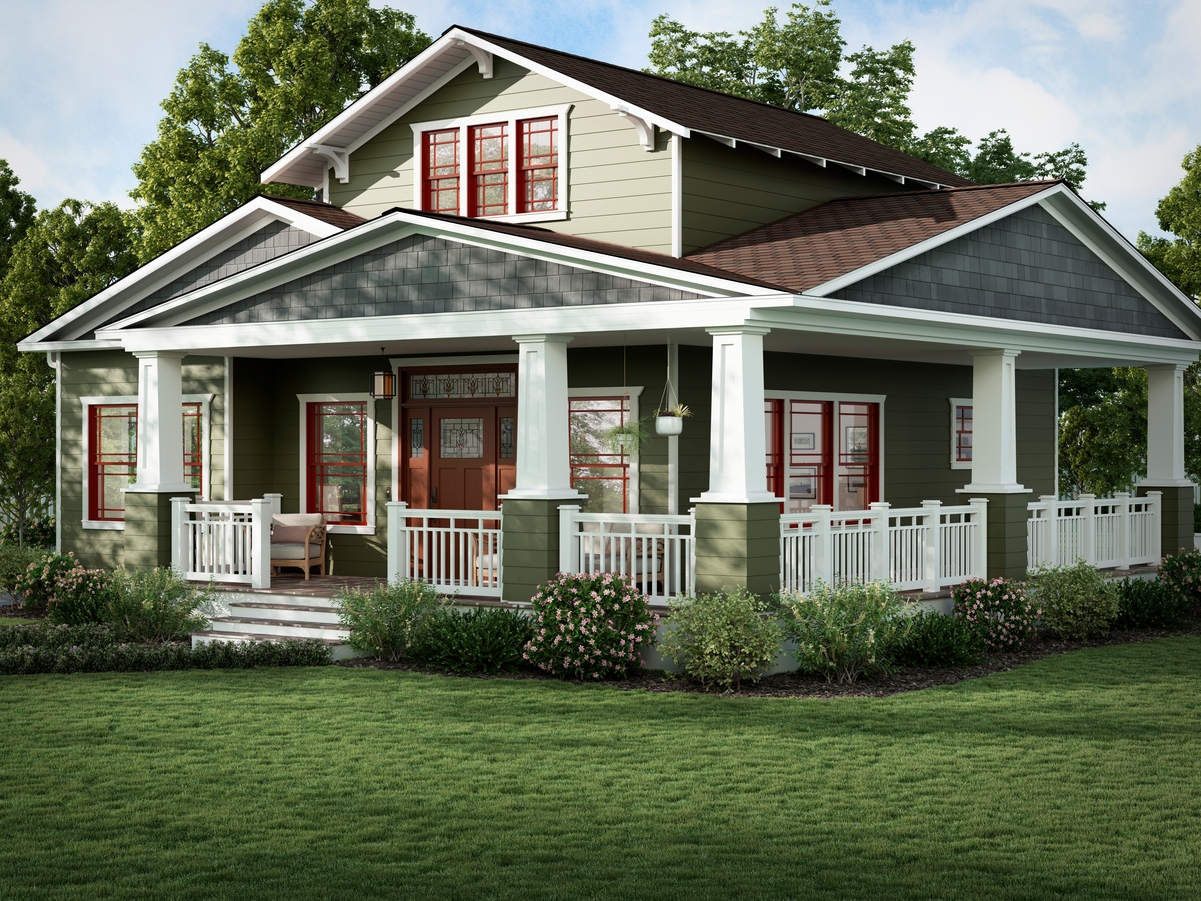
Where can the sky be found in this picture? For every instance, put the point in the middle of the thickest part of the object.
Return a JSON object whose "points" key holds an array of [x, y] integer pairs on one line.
{"points": [[81, 80]]}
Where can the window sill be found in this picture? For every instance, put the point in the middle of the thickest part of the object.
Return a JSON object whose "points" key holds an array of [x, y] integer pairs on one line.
{"points": [[955, 464], [104, 525]]}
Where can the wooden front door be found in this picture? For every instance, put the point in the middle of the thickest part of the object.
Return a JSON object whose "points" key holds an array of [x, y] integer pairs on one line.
{"points": [[460, 457]]}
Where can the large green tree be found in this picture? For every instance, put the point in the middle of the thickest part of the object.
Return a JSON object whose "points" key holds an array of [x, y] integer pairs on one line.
{"points": [[800, 64], [1179, 213], [16, 213], [299, 64]]}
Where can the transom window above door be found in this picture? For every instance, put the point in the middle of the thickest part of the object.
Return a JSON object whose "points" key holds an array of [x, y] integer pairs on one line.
{"points": [[513, 165]]}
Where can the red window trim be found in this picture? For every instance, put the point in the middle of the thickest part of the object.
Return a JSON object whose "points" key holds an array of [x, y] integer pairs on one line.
{"points": [[960, 431], [525, 203], [428, 177], [477, 176], [591, 461], [315, 469]]}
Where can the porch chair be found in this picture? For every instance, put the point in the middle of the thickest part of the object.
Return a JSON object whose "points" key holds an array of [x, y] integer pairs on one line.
{"points": [[298, 539]]}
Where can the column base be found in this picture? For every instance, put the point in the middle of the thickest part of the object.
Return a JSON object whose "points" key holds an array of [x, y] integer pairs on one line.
{"points": [[1007, 557], [1176, 522], [148, 528], [738, 545]]}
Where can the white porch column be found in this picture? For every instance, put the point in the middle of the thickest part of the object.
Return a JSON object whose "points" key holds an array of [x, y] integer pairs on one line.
{"points": [[737, 449], [994, 423], [160, 423], [543, 467], [1165, 425]]}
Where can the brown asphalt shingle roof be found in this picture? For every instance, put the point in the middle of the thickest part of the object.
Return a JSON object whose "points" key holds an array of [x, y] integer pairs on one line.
{"points": [[326, 212], [732, 117], [810, 248]]}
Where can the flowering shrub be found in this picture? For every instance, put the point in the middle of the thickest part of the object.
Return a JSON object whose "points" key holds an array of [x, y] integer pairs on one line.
{"points": [[36, 585], [81, 596], [722, 637], [588, 626], [39, 533], [1181, 573], [1000, 610], [846, 631], [1077, 601]]}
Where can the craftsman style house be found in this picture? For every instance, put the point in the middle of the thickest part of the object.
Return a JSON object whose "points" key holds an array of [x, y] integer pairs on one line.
{"points": [[515, 253]]}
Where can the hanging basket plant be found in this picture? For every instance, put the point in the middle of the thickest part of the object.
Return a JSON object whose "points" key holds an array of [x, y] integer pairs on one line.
{"points": [[670, 421], [625, 439]]}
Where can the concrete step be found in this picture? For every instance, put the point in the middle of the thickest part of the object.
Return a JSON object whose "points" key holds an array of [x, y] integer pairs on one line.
{"points": [[302, 613], [341, 650], [272, 599], [276, 627]]}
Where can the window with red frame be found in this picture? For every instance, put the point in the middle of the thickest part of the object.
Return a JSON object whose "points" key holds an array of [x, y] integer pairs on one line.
{"points": [[441, 181], [337, 462], [963, 433], [113, 455], [596, 470], [538, 185], [489, 170]]}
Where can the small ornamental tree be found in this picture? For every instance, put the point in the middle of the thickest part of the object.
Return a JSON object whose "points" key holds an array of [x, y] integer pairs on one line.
{"points": [[999, 610], [589, 627]]}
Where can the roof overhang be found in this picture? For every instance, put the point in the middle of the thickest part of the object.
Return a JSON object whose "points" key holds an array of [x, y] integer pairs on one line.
{"points": [[241, 223]]}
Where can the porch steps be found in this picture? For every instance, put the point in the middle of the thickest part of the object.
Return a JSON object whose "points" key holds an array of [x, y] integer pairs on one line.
{"points": [[263, 616]]}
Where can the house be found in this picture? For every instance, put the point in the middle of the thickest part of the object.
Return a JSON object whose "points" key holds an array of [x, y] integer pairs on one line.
{"points": [[540, 248]]}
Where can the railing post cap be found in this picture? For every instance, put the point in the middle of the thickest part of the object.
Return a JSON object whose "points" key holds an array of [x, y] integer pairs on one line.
{"points": [[931, 503], [978, 500]]}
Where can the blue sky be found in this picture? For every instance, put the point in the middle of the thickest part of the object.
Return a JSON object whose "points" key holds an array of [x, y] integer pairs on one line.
{"points": [[80, 80]]}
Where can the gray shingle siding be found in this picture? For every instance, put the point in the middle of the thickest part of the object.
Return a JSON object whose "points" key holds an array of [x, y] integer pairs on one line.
{"points": [[421, 274], [1026, 266]]}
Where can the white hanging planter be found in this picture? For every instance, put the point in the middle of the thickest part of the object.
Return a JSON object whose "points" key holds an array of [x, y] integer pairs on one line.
{"points": [[669, 425]]}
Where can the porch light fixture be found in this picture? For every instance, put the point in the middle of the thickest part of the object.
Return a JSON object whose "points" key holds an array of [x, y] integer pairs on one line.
{"points": [[383, 385]]}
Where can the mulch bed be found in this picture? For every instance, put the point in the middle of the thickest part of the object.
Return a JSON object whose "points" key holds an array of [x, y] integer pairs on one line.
{"points": [[805, 685]]}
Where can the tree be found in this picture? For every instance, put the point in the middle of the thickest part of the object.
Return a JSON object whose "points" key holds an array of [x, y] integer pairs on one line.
{"points": [[1179, 214], [299, 64], [16, 213]]}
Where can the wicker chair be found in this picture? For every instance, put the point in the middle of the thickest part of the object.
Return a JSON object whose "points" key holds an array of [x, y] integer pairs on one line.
{"points": [[298, 539]]}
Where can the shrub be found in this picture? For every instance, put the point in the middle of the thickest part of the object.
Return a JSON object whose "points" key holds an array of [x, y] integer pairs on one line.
{"points": [[1196, 518], [1077, 601], [35, 586], [846, 631], [941, 641], [1181, 573], [382, 621], [155, 605], [483, 640], [39, 533], [588, 626], [1149, 605], [999, 610], [14, 562], [81, 596], [722, 637]]}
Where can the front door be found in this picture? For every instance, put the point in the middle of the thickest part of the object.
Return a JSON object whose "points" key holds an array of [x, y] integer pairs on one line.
{"points": [[460, 457]]}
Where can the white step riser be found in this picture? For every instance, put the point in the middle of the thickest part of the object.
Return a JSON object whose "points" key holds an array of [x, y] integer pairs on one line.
{"points": [[229, 597], [341, 651], [284, 630], [291, 615]]}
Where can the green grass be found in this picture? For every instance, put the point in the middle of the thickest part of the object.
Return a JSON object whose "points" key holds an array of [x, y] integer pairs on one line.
{"points": [[16, 621], [1075, 777]]}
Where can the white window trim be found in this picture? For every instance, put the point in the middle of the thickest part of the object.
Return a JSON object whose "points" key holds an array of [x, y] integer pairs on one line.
{"points": [[633, 392], [836, 399], [959, 402], [512, 118], [352, 397], [206, 457]]}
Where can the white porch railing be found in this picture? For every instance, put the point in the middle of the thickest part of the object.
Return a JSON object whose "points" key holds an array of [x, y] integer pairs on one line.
{"points": [[223, 541], [657, 552], [452, 550], [928, 547], [1119, 531]]}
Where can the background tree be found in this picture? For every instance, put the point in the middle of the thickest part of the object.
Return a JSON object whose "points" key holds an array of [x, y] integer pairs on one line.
{"points": [[16, 213], [1179, 214], [299, 64]]}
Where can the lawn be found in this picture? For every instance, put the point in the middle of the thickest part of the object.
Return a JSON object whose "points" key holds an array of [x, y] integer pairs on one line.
{"points": [[1074, 777]]}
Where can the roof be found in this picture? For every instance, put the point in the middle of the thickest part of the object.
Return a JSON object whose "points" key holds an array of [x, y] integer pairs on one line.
{"points": [[808, 249], [325, 212], [725, 115], [670, 105]]}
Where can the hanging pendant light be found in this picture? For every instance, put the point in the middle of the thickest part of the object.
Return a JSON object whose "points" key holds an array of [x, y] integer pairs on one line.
{"points": [[383, 384]]}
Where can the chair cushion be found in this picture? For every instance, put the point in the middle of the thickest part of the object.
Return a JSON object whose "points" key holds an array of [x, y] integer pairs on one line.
{"points": [[289, 534], [293, 551], [297, 519]]}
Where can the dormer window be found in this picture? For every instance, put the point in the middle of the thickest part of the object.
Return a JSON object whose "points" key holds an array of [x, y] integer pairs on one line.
{"points": [[510, 168]]}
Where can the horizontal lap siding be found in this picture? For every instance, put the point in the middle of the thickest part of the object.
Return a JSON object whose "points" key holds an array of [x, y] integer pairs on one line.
{"points": [[727, 191], [617, 191]]}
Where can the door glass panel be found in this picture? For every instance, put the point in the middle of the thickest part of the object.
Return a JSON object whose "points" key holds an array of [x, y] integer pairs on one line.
{"points": [[507, 451], [809, 455], [416, 438], [857, 475], [462, 439]]}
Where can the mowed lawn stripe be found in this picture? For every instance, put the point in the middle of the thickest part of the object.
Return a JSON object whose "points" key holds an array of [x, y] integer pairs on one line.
{"points": [[1074, 777]]}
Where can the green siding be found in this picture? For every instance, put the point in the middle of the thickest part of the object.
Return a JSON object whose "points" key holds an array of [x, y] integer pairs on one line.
{"points": [[115, 373], [1007, 517], [738, 545], [531, 546], [1176, 524], [617, 191], [727, 191]]}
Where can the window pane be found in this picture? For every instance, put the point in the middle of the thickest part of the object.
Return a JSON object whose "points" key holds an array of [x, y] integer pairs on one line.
{"points": [[462, 439], [489, 170], [539, 186], [338, 462], [442, 171], [193, 432], [596, 470], [114, 461], [963, 434]]}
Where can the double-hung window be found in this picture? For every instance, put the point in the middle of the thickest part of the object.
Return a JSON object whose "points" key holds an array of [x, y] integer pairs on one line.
{"points": [[602, 467], [487, 166], [961, 433], [338, 463]]}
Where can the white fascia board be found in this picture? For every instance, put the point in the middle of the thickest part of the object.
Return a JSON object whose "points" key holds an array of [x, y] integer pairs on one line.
{"points": [[847, 317], [1091, 229], [908, 253], [398, 225], [206, 243], [68, 346], [632, 317]]}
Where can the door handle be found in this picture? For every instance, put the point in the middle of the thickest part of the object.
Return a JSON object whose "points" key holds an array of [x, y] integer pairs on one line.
{"points": [[434, 499]]}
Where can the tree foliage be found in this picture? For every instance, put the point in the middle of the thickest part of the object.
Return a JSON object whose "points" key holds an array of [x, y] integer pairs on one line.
{"points": [[299, 64], [16, 213], [1179, 213], [800, 64]]}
